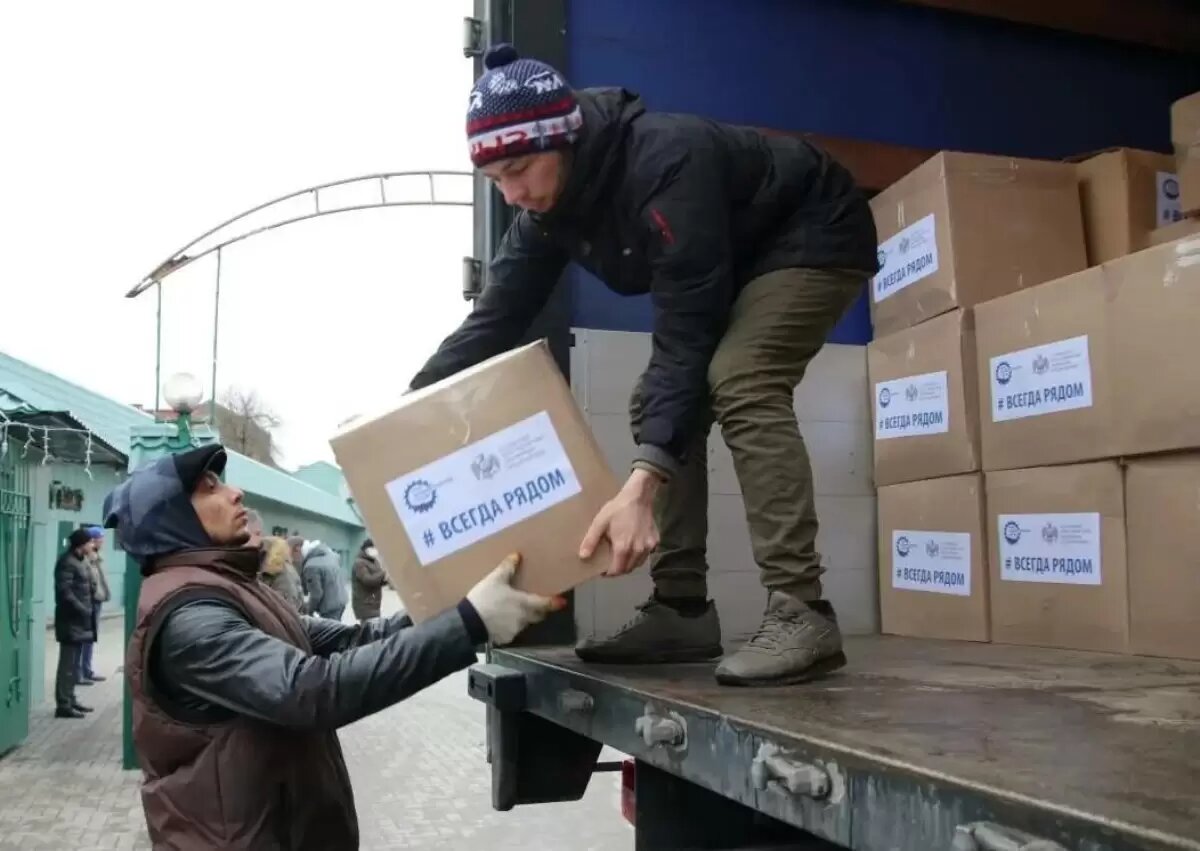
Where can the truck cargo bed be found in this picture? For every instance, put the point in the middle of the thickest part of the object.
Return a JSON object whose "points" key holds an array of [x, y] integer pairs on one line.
{"points": [[919, 737]]}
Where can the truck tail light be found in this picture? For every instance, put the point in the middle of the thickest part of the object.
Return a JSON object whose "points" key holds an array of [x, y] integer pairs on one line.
{"points": [[629, 791]]}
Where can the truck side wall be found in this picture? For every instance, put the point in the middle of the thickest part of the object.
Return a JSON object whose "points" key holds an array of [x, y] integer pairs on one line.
{"points": [[864, 69], [869, 69]]}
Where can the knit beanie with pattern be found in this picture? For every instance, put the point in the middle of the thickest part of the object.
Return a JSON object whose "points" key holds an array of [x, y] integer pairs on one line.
{"points": [[519, 106]]}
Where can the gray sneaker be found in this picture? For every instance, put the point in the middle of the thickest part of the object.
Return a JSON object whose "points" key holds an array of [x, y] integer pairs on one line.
{"points": [[795, 643], [657, 634]]}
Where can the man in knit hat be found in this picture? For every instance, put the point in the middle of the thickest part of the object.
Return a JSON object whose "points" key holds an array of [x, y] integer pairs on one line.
{"points": [[751, 248]]}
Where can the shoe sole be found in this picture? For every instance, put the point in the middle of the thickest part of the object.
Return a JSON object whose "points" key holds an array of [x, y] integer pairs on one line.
{"points": [[658, 657], [818, 669]]}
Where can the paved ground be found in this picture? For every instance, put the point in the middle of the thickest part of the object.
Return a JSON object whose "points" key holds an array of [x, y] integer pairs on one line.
{"points": [[419, 773]]}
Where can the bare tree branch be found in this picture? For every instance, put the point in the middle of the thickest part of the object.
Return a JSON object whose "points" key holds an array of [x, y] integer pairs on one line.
{"points": [[245, 422]]}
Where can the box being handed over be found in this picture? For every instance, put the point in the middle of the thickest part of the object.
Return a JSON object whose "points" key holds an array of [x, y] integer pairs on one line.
{"points": [[493, 460]]}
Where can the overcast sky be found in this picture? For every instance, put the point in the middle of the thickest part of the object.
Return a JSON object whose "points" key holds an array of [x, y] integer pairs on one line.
{"points": [[132, 127]]}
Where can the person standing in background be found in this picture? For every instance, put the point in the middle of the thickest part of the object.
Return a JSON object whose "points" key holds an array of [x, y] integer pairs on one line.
{"points": [[73, 620], [367, 581], [86, 674], [278, 573], [323, 580]]}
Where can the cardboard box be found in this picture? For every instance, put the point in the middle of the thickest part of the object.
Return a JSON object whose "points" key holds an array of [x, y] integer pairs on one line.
{"points": [[493, 460], [964, 228], [1153, 310], [1162, 511], [1046, 384], [1098, 364], [933, 555], [1185, 136], [926, 400], [1178, 230], [1125, 194], [1058, 575]]}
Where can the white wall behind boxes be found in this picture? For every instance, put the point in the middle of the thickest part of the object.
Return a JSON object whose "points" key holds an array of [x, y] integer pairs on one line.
{"points": [[835, 419]]}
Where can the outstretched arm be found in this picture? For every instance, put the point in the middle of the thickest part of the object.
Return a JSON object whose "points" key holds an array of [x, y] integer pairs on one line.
{"points": [[330, 636], [209, 650]]}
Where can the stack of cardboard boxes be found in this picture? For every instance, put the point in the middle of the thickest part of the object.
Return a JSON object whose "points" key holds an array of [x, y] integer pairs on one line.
{"points": [[957, 231], [1036, 391]]}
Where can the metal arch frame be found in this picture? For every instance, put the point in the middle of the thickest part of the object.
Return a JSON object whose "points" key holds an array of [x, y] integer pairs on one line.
{"points": [[180, 258]]}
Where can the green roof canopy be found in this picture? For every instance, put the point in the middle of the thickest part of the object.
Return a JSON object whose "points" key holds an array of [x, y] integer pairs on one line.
{"points": [[39, 398]]}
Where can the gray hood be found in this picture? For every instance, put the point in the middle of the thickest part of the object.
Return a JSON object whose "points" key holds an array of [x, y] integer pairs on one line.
{"points": [[321, 556], [152, 512]]}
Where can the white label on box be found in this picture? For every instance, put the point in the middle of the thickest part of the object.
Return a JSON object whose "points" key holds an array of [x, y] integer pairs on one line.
{"points": [[939, 562], [913, 406], [1040, 380], [1058, 548], [484, 488], [906, 258], [1170, 209]]}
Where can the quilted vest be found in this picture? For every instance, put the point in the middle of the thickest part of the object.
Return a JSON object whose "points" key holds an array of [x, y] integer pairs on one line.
{"points": [[244, 783]]}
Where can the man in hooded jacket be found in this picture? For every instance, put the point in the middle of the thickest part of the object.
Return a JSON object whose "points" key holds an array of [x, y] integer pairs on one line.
{"points": [[236, 697], [751, 248], [323, 580]]}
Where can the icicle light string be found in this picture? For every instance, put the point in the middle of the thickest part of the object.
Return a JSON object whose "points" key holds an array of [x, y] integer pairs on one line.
{"points": [[34, 432]]}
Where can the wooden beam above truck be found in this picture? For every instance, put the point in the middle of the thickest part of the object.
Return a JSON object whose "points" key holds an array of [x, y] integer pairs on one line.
{"points": [[1166, 24], [875, 165]]}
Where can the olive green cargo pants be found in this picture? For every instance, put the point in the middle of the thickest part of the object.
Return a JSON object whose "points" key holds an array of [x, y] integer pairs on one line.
{"points": [[778, 324]]}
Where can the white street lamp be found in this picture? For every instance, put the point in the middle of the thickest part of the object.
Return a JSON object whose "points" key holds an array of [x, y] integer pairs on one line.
{"points": [[183, 392]]}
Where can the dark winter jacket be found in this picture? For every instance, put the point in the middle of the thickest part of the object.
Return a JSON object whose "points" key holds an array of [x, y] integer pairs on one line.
{"points": [[325, 582], [74, 621], [686, 209], [366, 592]]}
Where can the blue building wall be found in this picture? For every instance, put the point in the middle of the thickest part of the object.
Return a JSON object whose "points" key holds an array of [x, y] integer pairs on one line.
{"points": [[47, 546], [341, 538], [868, 69]]}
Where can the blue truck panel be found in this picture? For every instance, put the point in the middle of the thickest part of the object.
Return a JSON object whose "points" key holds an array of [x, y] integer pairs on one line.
{"points": [[868, 69]]}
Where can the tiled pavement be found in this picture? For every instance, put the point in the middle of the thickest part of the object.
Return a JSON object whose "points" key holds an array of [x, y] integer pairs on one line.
{"points": [[419, 773]]}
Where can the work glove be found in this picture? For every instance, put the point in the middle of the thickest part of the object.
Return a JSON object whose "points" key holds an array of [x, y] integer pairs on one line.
{"points": [[504, 610]]}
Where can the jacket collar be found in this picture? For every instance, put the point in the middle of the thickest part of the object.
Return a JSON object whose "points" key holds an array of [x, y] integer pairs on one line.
{"points": [[598, 156], [239, 562]]}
